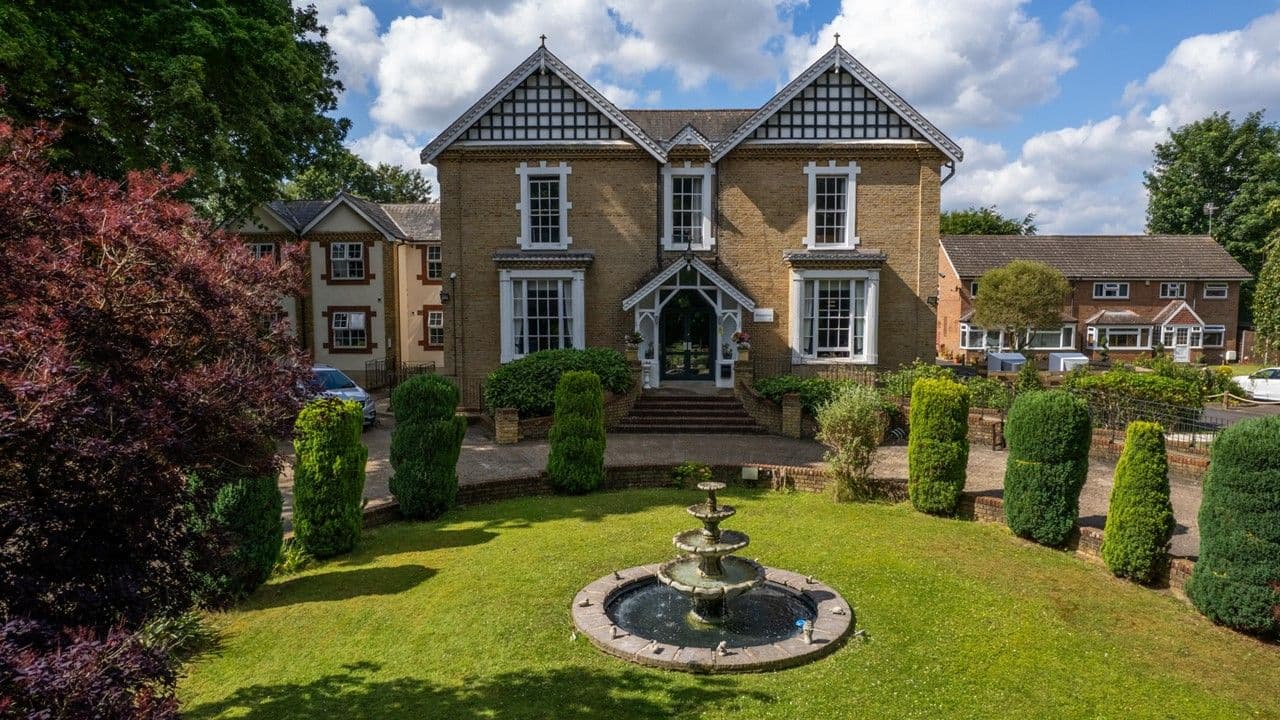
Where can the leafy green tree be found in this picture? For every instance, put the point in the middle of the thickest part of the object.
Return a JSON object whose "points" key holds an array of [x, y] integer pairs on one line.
{"points": [[985, 221], [1022, 296], [852, 425], [1266, 297], [346, 171], [1139, 514], [236, 93], [1235, 166]]}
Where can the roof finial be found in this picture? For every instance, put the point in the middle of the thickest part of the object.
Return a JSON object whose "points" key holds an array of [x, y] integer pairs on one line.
{"points": [[837, 39], [543, 39]]}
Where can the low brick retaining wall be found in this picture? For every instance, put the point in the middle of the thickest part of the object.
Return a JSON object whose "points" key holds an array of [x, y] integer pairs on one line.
{"points": [[508, 428]]}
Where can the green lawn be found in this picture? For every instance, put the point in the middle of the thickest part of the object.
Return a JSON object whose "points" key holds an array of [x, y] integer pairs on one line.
{"points": [[469, 618]]}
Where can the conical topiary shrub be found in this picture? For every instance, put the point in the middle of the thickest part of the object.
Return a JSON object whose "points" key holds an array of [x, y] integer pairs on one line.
{"points": [[328, 476], [576, 460], [425, 445], [1048, 434], [1236, 581], [938, 445], [1140, 516]]}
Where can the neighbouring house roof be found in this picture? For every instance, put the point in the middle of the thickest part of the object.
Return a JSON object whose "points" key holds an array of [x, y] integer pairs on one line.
{"points": [[420, 221], [714, 125], [1177, 312], [1164, 257], [1117, 317]]}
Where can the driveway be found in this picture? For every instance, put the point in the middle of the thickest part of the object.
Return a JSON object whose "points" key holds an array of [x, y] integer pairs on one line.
{"points": [[482, 459]]}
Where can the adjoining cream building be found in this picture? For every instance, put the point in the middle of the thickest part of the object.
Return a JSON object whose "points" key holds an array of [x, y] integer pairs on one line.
{"points": [[377, 287], [810, 222]]}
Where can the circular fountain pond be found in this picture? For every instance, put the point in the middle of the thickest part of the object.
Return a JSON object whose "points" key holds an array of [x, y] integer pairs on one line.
{"points": [[709, 611]]}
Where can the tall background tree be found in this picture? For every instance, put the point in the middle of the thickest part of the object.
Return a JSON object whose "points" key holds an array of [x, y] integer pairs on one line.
{"points": [[1235, 165], [1022, 296], [234, 92], [1266, 298], [985, 221], [344, 170]]}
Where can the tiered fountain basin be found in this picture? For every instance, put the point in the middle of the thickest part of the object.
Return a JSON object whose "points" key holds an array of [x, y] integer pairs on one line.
{"points": [[709, 611]]}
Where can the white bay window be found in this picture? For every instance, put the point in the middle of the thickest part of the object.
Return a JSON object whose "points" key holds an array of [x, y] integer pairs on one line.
{"points": [[834, 315], [541, 310]]}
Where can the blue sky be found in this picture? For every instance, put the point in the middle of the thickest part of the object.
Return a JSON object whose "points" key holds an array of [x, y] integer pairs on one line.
{"points": [[1057, 103]]}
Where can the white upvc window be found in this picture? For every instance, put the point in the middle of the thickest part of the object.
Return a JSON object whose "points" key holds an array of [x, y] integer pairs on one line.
{"points": [[346, 261], [1215, 291], [687, 207], [1181, 335], [835, 315], [435, 328], [1215, 336], [975, 337], [1173, 290], [973, 289], [350, 330], [1111, 290], [435, 262], [544, 206], [261, 250], [832, 207], [541, 310], [1063, 338], [1119, 338]]}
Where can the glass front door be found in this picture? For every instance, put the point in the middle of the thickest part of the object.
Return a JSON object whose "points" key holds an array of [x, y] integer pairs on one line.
{"points": [[688, 337]]}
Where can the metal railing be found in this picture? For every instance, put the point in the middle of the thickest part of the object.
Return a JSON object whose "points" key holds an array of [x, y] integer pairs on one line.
{"points": [[380, 374], [1184, 427]]}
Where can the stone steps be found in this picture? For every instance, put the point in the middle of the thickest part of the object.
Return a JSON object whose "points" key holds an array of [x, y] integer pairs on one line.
{"points": [[674, 413]]}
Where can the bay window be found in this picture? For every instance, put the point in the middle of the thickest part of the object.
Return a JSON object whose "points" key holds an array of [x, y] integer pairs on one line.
{"points": [[834, 315], [1122, 338], [541, 310]]}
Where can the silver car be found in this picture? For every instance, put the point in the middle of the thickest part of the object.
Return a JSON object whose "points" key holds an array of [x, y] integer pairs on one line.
{"points": [[332, 382]]}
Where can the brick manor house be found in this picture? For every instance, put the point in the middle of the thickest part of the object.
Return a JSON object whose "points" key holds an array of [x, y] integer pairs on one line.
{"points": [[811, 223]]}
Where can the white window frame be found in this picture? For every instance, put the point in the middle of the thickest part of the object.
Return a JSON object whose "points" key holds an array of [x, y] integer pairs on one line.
{"points": [[438, 262], [1222, 329], [346, 259], [1224, 287], [871, 315], [1093, 331], [506, 298], [347, 317], [973, 289], [435, 321], [1101, 290], [849, 172], [260, 250], [1173, 290], [527, 171], [966, 329], [705, 171]]}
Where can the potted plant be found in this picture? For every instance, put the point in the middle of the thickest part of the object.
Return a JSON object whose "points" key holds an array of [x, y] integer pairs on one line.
{"points": [[743, 341], [632, 340]]}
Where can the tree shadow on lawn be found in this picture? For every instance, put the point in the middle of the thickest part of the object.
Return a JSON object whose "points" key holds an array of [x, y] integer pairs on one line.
{"points": [[599, 505], [565, 692], [339, 585]]}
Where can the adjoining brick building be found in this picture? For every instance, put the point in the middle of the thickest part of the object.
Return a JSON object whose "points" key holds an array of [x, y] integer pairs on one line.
{"points": [[811, 223], [1131, 293], [375, 279]]}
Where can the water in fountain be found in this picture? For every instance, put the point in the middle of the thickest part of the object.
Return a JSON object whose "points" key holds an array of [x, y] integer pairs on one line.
{"points": [[709, 595]]}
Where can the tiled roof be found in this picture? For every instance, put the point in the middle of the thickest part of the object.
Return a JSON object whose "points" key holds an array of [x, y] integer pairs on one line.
{"points": [[1177, 312], [662, 125], [420, 221], [299, 212], [1168, 257], [1116, 317], [864, 258]]}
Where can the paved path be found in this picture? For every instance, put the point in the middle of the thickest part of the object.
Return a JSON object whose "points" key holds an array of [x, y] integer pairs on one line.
{"points": [[482, 459]]}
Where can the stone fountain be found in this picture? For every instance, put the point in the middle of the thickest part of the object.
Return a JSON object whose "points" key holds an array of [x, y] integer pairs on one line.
{"points": [[709, 610]]}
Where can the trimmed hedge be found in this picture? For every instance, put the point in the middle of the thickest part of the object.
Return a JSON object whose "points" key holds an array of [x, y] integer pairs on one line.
{"points": [[1236, 582], [1140, 516], [1028, 379], [575, 463], [243, 524], [328, 476], [425, 445], [814, 392], [1048, 434], [529, 384], [899, 383], [1123, 382], [938, 445]]}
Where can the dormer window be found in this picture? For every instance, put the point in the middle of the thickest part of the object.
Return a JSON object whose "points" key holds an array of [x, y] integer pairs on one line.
{"points": [[832, 211], [544, 206], [687, 192]]}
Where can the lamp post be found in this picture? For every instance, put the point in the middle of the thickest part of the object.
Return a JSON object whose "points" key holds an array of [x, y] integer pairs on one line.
{"points": [[1209, 209]]}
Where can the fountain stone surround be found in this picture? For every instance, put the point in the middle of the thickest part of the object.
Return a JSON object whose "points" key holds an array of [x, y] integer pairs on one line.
{"points": [[833, 617]]}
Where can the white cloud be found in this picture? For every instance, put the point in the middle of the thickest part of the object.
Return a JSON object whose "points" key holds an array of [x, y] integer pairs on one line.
{"points": [[1089, 178], [383, 146], [353, 35], [969, 64]]}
